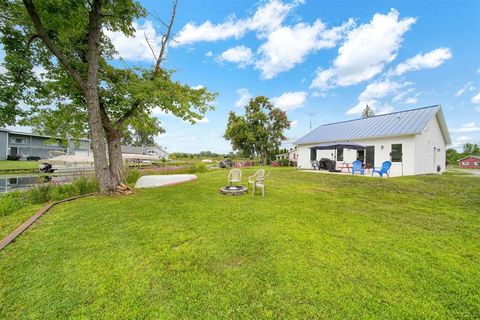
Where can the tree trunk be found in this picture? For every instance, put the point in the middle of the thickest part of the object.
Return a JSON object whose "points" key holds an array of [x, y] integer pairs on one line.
{"points": [[102, 170], [114, 140]]}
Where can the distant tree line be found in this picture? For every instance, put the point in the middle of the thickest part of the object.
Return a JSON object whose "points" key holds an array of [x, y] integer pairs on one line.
{"points": [[468, 149]]}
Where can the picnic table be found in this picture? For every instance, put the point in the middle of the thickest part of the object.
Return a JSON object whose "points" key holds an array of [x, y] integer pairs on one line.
{"points": [[345, 165]]}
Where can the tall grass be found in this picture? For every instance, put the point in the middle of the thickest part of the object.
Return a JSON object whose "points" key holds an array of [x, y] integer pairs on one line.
{"points": [[15, 200]]}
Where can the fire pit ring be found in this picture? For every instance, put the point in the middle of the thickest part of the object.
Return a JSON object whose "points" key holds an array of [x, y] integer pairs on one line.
{"points": [[233, 190]]}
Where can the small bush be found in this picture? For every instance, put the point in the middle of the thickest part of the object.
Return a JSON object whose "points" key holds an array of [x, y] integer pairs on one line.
{"points": [[201, 167], [11, 202], [283, 162], [132, 175], [40, 194]]}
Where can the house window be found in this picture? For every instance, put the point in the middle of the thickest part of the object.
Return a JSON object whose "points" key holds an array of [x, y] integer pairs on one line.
{"points": [[340, 154], [476, 163], [313, 154], [396, 153], [19, 140], [465, 163]]}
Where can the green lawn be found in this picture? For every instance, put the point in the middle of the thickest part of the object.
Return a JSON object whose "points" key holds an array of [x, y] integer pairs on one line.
{"points": [[318, 246], [6, 165]]}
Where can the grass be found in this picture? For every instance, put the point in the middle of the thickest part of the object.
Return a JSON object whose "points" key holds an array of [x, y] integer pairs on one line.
{"points": [[6, 165], [317, 246]]}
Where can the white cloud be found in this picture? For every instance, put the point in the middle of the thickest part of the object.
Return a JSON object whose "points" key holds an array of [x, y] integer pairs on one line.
{"points": [[374, 92], [287, 46], [244, 97], [209, 54], [467, 127], [381, 89], [411, 100], [476, 99], [198, 87], [293, 124], [239, 54], [136, 48], [365, 52], [266, 18], [428, 60], [467, 87], [458, 142], [402, 96], [377, 107], [290, 100]]}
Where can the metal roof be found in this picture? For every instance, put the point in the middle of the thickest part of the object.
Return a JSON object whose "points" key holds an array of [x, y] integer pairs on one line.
{"points": [[400, 123], [20, 133], [141, 150]]}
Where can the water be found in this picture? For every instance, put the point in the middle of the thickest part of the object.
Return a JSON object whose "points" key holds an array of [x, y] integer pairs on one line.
{"points": [[12, 183]]}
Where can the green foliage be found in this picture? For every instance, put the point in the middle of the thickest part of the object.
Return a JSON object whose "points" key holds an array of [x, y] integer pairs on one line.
{"points": [[317, 246], [132, 175], [471, 149], [260, 131], [283, 162], [44, 193], [201, 167]]}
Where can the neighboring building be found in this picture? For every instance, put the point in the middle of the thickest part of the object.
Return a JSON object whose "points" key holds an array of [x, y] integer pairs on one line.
{"points": [[291, 155], [153, 151], [470, 162], [414, 140], [33, 145]]}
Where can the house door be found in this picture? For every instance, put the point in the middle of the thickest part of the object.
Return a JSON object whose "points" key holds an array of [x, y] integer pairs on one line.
{"points": [[370, 157], [13, 151], [361, 155]]}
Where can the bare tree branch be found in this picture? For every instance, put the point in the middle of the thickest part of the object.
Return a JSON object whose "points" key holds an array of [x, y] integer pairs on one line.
{"points": [[165, 38], [150, 46], [42, 34], [158, 61]]}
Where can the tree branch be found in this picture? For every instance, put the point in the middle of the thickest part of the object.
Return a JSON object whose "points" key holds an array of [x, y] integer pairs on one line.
{"points": [[165, 38], [42, 34], [130, 112], [150, 46]]}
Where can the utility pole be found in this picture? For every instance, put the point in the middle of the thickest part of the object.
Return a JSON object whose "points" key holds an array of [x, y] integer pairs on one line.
{"points": [[311, 114]]}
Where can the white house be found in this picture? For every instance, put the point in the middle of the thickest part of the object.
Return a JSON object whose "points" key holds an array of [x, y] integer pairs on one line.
{"points": [[151, 153], [414, 140]]}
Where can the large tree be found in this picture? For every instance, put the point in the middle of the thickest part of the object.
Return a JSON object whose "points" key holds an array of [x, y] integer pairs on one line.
{"points": [[260, 131], [471, 148], [78, 85]]}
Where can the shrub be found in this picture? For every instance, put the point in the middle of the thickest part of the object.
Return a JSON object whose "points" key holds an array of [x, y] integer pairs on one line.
{"points": [[283, 162], [201, 167], [132, 175]]}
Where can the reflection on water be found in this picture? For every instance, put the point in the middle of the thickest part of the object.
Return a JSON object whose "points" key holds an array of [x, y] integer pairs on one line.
{"points": [[8, 183]]}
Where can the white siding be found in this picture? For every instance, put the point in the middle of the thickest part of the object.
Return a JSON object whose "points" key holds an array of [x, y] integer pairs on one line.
{"points": [[430, 149], [383, 147]]}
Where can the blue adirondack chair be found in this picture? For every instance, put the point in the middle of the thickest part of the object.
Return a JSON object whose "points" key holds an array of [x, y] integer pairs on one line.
{"points": [[357, 166], [384, 169]]}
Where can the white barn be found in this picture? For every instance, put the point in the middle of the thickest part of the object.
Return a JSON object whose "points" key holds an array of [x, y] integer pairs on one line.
{"points": [[414, 140]]}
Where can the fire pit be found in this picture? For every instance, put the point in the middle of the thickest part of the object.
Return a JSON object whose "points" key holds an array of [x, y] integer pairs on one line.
{"points": [[233, 190]]}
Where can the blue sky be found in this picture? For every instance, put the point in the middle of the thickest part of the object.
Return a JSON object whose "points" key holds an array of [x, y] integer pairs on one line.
{"points": [[329, 58]]}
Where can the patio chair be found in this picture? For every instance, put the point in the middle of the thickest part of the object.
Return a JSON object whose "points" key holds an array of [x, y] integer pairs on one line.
{"points": [[260, 173], [260, 183], [357, 166], [386, 165], [235, 176], [314, 164]]}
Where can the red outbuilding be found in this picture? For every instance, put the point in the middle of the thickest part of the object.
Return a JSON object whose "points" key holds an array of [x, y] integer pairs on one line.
{"points": [[470, 162]]}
